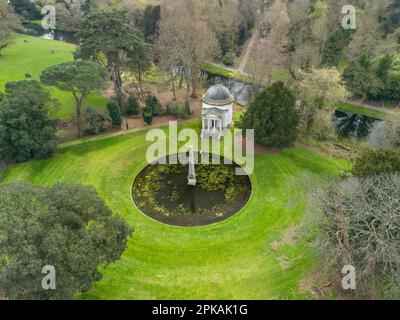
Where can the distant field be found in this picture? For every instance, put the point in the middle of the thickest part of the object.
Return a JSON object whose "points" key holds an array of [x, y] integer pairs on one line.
{"points": [[35, 56]]}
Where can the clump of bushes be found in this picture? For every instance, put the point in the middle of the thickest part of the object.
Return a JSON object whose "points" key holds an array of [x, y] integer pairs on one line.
{"points": [[229, 59], [179, 110], [154, 104], [114, 113], [375, 162], [95, 120], [132, 106], [147, 113]]}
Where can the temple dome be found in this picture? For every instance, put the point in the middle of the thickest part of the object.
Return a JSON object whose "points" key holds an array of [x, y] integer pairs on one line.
{"points": [[218, 95]]}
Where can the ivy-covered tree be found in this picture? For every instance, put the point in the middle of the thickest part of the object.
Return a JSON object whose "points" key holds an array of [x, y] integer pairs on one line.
{"points": [[147, 115], [151, 18], [68, 227], [361, 79], [26, 131], [79, 77], [334, 46], [115, 116], [273, 117]]}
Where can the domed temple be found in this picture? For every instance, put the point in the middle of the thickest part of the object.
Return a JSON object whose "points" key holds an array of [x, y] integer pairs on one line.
{"points": [[216, 112]]}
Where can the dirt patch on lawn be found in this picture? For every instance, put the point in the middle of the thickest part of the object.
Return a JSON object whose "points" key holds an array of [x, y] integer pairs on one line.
{"points": [[258, 148], [289, 238]]}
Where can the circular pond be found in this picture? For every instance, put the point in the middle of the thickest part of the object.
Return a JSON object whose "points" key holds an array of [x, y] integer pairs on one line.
{"points": [[161, 191]]}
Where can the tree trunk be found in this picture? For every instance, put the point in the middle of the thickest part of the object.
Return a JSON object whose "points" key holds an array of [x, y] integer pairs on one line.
{"points": [[117, 81], [181, 81], [78, 118], [187, 98], [173, 87], [140, 81], [194, 83], [119, 92]]}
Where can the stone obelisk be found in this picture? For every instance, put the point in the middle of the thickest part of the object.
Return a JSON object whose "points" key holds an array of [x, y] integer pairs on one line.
{"points": [[192, 174]]}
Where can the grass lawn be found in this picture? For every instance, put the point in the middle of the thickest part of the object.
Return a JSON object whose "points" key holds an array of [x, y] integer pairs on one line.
{"points": [[348, 107], [233, 259], [231, 74], [35, 56], [224, 72]]}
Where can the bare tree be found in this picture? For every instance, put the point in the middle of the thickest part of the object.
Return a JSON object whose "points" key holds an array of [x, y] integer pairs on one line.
{"points": [[8, 22], [268, 56], [185, 40], [317, 90], [360, 226]]}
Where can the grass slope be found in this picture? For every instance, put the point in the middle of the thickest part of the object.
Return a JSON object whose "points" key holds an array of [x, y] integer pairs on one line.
{"points": [[233, 259], [35, 56]]}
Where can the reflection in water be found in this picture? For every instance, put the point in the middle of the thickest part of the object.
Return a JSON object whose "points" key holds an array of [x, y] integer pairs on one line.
{"points": [[349, 125]]}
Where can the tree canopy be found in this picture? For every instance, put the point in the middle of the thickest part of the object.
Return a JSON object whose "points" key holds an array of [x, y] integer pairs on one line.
{"points": [[68, 227], [26, 132], [78, 77], [317, 89], [109, 37], [273, 117]]}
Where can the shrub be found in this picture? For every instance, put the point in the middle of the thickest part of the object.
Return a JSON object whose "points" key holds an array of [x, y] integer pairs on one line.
{"points": [[95, 120], [273, 117], [229, 59], [374, 162], [115, 116], [155, 105], [132, 107], [147, 115], [178, 110]]}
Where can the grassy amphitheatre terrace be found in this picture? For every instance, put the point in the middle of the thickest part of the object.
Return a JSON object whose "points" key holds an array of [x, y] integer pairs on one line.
{"points": [[35, 56], [255, 254]]}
